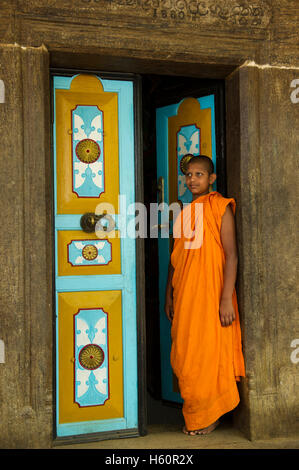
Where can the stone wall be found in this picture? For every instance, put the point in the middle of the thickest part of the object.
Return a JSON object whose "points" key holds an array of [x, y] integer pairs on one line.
{"points": [[263, 180], [222, 32], [25, 250]]}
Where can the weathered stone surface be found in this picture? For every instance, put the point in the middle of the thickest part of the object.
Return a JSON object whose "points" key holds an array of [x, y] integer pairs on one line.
{"points": [[225, 15], [13, 383], [7, 27], [263, 152], [285, 21], [26, 259], [222, 31]]}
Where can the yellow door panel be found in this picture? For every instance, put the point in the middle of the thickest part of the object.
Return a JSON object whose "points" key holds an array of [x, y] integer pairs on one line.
{"points": [[86, 91], [73, 339], [80, 254]]}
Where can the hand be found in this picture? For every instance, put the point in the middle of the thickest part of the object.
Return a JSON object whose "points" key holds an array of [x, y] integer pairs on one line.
{"points": [[169, 308], [226, 312]]}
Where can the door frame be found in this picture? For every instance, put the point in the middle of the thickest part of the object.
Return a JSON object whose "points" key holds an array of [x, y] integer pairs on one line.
{"points": [[140, 274]]}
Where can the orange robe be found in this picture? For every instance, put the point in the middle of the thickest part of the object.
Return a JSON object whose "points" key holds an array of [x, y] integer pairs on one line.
{"points": [[205, 356]]}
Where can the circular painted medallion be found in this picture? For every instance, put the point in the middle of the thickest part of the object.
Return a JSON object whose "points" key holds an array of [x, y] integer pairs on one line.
{"points": [[88, 151], [89, 252], [91, 357], [184, 162]]}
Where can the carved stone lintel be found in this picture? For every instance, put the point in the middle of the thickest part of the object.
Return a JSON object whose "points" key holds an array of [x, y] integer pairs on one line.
{"points": [[209, 12]]}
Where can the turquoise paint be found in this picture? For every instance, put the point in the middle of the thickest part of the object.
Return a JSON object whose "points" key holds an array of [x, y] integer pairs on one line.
{"points": [[90, 283], [63, 83], [72, 221], [126, 281], [87, 427], [162, 115]]}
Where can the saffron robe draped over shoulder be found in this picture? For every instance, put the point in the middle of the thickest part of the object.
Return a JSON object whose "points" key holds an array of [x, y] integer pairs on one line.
{"points": [[205, 356]]}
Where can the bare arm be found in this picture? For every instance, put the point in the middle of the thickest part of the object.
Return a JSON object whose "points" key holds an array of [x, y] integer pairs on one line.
{"points": [[168, 295], [169, 291], [228, 238]]}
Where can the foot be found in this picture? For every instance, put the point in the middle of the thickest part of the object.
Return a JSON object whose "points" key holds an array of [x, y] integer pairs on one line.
{"points": [[197, 432], [208, 429], [191, 433]]}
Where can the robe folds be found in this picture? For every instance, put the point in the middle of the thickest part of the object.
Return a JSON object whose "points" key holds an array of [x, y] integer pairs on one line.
{"points": [[205, 356]]}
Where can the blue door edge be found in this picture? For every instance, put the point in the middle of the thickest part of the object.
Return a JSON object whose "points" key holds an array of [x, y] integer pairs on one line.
{"points": [[162, 115]]}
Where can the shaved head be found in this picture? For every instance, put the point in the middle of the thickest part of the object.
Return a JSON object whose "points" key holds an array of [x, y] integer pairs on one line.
{"points": [[207, 161]]}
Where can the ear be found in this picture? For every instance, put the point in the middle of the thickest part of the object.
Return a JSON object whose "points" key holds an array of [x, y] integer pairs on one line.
{"points": [[212, 178]]}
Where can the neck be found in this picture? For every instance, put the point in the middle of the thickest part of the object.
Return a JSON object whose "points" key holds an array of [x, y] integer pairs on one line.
{"points": [[195, 196]]}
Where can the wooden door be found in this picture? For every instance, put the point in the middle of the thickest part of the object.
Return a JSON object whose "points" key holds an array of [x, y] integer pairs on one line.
{"points": [[95, 273], [185, 127]]}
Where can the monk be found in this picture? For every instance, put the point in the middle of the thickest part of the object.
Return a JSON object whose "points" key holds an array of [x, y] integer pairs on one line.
{"points": [[201, 303]]}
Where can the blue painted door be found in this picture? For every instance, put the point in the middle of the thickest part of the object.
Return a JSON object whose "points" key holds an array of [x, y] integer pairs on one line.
{"points": [[95, 272], [184, 127]]}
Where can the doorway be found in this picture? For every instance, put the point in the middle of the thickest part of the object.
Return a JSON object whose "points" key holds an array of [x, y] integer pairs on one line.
{"points": [[159, 91]]}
